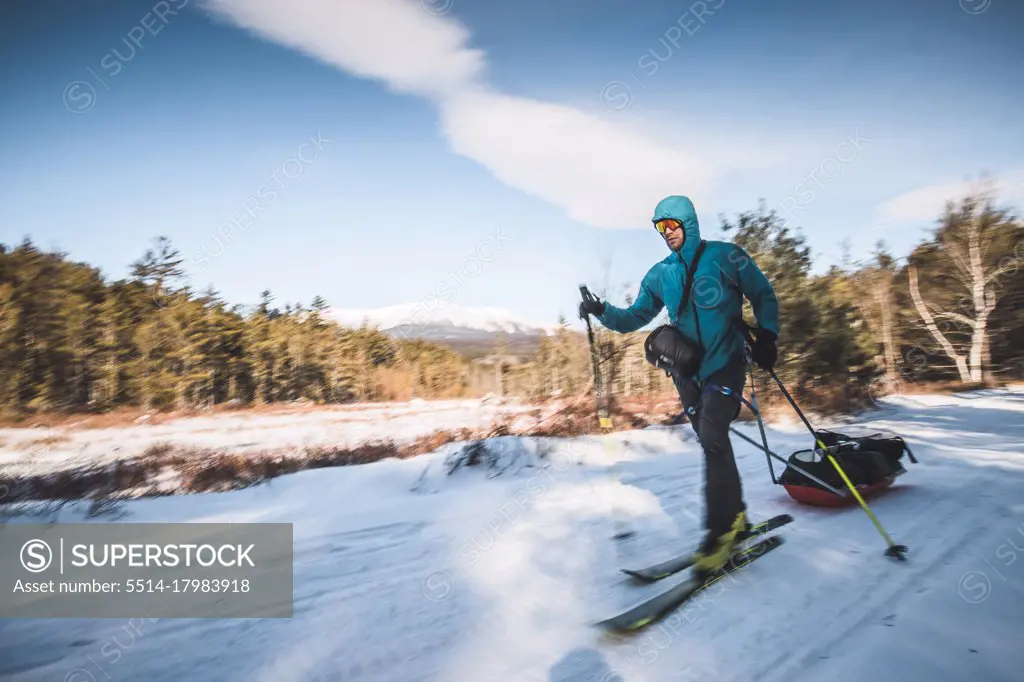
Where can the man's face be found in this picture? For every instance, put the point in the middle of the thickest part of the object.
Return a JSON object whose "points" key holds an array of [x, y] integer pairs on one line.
{"points": [[673, 233]]}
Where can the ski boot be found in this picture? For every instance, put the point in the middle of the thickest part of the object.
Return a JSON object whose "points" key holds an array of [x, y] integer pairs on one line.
{"points": [[716, 550]]}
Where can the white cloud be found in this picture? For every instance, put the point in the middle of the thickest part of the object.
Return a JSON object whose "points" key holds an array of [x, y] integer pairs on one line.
{"points": [[928, 203], [600, 173], [394, 41]]}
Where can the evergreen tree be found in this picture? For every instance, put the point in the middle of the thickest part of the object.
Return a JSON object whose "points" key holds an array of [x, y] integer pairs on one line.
{"points": [[70, 340]]}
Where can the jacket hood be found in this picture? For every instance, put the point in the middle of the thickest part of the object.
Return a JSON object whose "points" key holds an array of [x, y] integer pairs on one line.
{"points": [[681, 208]]}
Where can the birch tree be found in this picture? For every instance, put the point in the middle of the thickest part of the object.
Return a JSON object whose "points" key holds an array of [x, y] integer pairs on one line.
{"points": [[876, 304], [969, 263]]}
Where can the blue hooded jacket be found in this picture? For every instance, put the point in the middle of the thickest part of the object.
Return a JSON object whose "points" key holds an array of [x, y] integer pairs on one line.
{"points": [[724, 275]]}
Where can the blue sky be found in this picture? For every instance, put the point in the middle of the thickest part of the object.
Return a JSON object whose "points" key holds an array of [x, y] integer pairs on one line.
{"points": [[374, 151]]}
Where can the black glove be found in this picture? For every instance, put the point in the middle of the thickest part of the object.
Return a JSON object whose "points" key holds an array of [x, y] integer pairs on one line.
{"points": [[763, 351], [591, 305]]}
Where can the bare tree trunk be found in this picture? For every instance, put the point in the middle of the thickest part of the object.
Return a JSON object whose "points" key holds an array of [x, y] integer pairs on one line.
{"points": [[922, 309], [883, 295], [986, 358], [983, 303], [977, 348], [977, 285]]}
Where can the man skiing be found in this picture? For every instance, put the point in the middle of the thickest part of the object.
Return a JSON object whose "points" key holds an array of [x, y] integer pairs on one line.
{"points": [[704, 351]]}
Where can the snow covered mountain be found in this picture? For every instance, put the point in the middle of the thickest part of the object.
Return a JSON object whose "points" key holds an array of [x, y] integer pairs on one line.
{"points": [[442, 323]]}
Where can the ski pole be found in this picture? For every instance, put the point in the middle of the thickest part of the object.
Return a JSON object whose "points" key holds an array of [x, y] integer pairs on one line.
{"points": [[894, 550], [757, 413], [604, 420]]}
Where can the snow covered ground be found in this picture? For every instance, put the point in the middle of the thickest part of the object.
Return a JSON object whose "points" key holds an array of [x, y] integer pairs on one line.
{"points": [[403, 573], [39, 450]]}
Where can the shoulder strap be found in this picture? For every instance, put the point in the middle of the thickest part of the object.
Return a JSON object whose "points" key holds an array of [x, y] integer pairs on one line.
{"points": [[689, 275]]}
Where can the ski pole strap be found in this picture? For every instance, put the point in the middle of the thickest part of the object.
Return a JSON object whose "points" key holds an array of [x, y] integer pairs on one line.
{"points": [[710, 387]]}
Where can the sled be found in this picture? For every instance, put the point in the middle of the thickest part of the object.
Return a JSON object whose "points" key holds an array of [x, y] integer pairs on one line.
{"points": [[817, 497], [809, 478]]}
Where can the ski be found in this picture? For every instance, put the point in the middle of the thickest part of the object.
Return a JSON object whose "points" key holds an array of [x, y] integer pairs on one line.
{"points": [[666, 568], [659, 606]]}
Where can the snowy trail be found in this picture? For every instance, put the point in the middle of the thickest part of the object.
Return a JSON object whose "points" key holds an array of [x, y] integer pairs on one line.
{"points": [[470, 578]]}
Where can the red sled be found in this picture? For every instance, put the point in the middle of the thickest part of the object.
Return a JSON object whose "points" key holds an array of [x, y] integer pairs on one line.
{"points": [[818, 497]]}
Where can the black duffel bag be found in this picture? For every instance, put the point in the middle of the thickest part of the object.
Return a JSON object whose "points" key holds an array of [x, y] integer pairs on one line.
{"points": [[865, 460], [671, 350]]}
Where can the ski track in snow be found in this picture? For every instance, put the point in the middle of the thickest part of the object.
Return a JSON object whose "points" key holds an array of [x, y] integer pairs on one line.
{"points": [[477, 578]]}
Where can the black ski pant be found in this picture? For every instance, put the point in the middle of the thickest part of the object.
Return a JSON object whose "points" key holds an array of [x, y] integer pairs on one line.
{"points": [[711, 412]]}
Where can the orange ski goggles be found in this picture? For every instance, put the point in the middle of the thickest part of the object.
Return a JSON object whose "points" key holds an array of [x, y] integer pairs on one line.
{"points": [[667, 224]]}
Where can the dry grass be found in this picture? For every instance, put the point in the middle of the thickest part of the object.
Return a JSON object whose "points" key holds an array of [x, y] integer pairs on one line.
{"points": [[47, 441], [819, 398], [167, 469], [940, 387], [578, 417], [131, 416], [127, 417], [838, 400]]}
